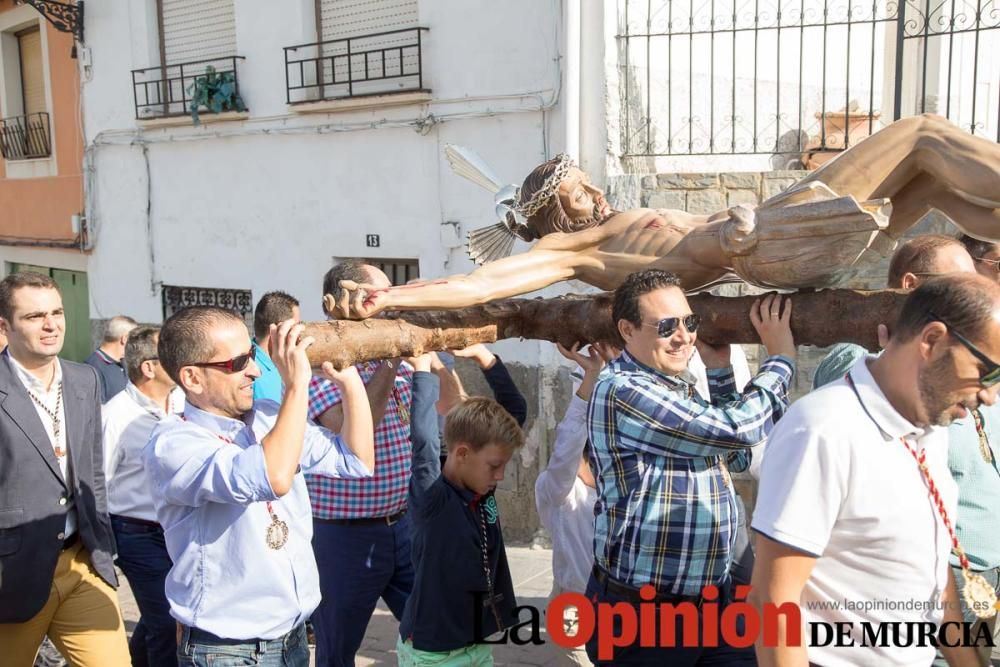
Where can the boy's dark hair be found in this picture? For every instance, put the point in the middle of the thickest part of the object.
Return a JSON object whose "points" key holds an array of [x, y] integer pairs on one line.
{"points": [[479, 421], [141, 346], [626, 301], [966, 301], [16, 281], [185, 339], [272, 308], [917, 256], [351, 269]]}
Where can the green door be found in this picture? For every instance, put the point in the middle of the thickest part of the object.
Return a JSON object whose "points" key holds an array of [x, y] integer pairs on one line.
{"points": [[76, 302]]}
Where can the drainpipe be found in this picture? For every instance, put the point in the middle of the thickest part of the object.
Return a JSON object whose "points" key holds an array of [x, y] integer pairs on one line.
{"points": [[571, 76]]}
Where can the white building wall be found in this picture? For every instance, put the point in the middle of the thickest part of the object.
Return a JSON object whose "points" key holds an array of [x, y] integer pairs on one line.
{"points": [[267, 202]]}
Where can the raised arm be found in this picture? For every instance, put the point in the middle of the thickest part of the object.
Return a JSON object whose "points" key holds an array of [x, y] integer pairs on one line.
{"points": [[424, 436], [540, 267]]}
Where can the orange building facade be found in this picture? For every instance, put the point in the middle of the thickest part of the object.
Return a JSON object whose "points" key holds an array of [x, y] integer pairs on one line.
{"points": [[41, 175], [41, 167]]}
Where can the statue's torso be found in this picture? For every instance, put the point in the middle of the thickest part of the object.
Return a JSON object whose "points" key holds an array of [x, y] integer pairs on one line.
{"points": [[646, 238]]}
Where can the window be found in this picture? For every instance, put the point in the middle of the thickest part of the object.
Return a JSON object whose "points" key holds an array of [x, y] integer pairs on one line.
{"points": [[195, 35], [32, 71], [24, 128], [399, 271], [350, 18], [177, 298], [193, 30]]}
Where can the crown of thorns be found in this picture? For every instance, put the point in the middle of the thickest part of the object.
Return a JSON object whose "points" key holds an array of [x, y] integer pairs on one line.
{"points": [[549, 187]]}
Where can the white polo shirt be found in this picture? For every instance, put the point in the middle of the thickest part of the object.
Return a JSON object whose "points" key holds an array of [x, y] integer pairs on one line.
{"points": [[838, 483], [128, 420]]}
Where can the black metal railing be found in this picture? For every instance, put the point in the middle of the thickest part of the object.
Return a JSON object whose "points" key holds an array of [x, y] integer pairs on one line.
{"points": [[375, 64], [166, 91], [25, 137], [176, 298], [795, 77]]}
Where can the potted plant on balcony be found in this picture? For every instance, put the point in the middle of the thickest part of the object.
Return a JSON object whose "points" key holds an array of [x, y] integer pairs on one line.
{"points": [[216, 92]]}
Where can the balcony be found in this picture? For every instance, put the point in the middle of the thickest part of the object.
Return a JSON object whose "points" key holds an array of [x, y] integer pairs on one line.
{"points": [[25, 137], [166, 92], [382, 63]]}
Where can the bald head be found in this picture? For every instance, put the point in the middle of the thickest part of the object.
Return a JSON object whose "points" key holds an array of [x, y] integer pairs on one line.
{"points": [[967, 302], [925, 257], [356, 271]]}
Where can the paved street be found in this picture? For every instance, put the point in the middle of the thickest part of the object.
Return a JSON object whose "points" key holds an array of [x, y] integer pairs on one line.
{"points": [[532, 572]]}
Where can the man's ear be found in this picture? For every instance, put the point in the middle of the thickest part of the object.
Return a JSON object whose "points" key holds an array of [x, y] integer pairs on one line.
{"points": [[909, 281], [4, 326], [147, 369], [626, 329], [191, 380], [934, 335]]}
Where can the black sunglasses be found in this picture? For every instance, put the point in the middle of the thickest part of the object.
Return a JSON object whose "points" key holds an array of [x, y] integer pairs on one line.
{"points": [[992, 374], [668, 326], [234, 365]]}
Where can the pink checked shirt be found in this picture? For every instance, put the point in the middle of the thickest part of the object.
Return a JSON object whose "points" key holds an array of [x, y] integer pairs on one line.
{"points": [[384, 493]]}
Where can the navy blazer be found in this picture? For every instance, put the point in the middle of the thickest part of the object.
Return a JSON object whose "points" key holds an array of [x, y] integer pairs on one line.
{"points": [[33, 493]]}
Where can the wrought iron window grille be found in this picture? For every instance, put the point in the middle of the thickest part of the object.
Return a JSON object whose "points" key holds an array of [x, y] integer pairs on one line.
{"points": [[176, 298], [25, 137], [727, 77], [375, 64], [165, 91]]}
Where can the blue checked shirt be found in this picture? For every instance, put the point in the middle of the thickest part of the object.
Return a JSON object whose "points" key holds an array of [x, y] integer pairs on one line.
{"points": [[666, 512]]}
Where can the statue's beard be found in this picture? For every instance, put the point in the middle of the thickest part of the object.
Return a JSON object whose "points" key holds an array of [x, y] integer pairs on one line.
{"points": [[602, 213]]}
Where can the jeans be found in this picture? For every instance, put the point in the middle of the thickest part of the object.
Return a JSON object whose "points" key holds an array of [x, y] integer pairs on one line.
{"points": [[143, 557], [993, 577], [201, 649], [675, 656], [358, 563]]}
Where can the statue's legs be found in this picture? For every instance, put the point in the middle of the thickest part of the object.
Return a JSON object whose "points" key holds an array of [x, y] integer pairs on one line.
{"points": [[924, 193], [920, 163]]}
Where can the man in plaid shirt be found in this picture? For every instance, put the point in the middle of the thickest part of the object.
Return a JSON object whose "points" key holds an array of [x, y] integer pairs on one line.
{"points": [[361, 534], [666, 511]]}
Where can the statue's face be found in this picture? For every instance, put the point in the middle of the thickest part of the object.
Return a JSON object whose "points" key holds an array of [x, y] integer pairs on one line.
{"points": [[580, 199]]}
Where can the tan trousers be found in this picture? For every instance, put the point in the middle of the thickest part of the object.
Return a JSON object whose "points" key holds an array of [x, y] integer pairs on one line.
{"points": [[81, 617]]}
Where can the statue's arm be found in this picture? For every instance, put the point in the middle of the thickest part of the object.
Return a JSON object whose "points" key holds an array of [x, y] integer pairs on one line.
{"points": [[539, 267], [500, 279]]}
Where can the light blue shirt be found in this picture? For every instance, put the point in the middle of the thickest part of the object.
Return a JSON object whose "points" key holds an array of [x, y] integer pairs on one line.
{"points": [[210, 497], [268, 386], [978, 487]]}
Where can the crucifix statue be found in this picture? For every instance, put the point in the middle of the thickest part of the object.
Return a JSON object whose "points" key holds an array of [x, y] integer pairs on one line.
{"points": [[815, 234]]}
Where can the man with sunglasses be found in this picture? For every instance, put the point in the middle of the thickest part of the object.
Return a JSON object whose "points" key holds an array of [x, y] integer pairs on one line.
{"points": [[227, 482], [666, 512], [856, 502], [985, 254], [970, 449], [128, 420]]}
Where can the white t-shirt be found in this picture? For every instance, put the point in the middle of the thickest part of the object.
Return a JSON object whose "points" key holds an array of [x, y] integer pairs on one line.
{"points": [[128, 419], [566, 505], [839, 484]]}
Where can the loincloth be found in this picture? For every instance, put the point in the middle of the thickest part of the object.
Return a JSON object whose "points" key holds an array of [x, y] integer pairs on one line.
{"points": [[807, 236]]}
